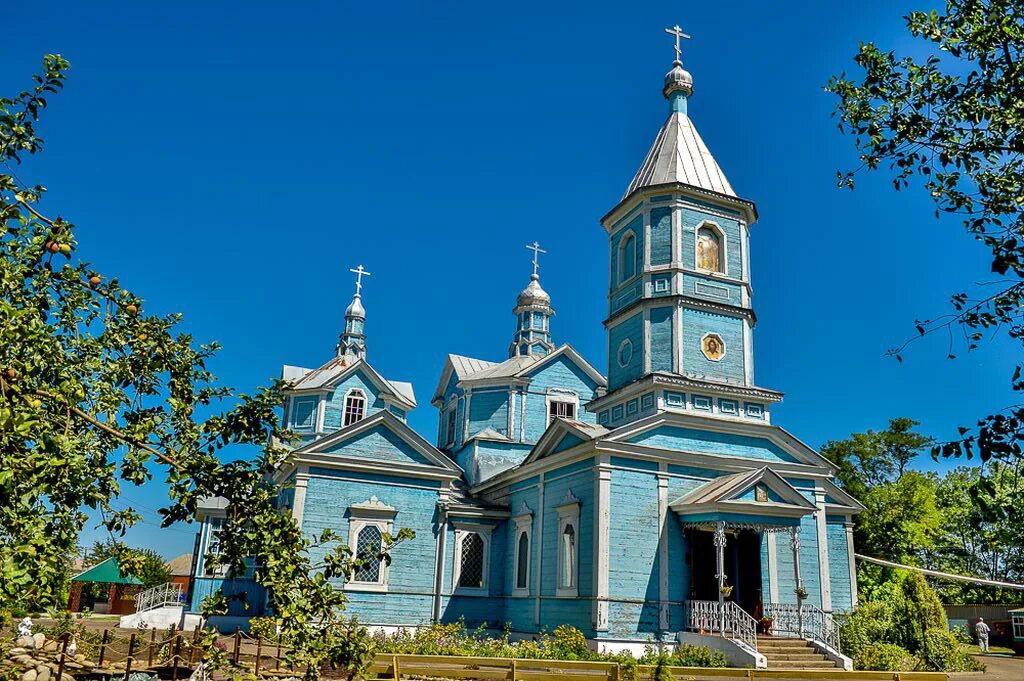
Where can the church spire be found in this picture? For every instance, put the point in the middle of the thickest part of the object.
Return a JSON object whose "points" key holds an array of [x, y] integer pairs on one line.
{"points": [[533, 315], [352, 343]]}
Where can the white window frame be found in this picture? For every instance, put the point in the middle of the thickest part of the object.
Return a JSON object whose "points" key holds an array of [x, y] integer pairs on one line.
{"points": [[344, 406], [564, 397], [316, 415], [371, 512], [451, 423], [568, 514], [620, 276], [524, 525], [462, 530], [1017, 624], [723, 253], [213, 524]]}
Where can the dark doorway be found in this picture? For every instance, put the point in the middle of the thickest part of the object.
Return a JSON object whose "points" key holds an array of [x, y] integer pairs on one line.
{"points": [[742, 567]]}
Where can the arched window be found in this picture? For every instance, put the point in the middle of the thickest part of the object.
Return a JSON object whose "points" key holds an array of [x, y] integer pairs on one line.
{"points": [[567, 577], [627, 257], [709, 250], [523, 561], [369, 542], [471, 572], [355, 406]]}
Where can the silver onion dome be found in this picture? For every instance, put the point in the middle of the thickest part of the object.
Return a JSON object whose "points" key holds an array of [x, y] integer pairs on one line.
{"points": [[678, 80], [355, 308], [533, 294]]}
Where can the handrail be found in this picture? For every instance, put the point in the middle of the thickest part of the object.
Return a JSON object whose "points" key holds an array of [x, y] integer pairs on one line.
{"points": [[158, 596], [727, 619], [807, 621]]}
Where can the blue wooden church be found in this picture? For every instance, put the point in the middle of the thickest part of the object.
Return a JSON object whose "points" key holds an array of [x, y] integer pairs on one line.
{"points": [[655, 503]]}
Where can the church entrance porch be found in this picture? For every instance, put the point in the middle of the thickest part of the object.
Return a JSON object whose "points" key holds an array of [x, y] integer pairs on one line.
{"points": [[742, 562]]}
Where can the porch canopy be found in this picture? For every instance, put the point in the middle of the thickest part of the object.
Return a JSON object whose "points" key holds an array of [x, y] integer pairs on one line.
{"points": [[107, 572], [759, 500]]}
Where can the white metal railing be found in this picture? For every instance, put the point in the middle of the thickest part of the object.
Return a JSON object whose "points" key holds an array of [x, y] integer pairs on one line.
{"points": [[159, 596], [807, 621], [729, 620]]}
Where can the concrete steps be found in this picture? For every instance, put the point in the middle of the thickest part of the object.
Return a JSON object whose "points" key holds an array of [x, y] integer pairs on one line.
{"points": [[792, 653]]}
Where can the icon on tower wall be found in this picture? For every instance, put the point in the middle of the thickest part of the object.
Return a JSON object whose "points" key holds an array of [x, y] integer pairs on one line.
{"points": [[712, 346]]}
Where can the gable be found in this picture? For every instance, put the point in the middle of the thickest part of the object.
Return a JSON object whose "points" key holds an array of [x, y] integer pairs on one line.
{"points": [[677, 438], [379, 443], [335, 402], [563, 373], [568, 441]]}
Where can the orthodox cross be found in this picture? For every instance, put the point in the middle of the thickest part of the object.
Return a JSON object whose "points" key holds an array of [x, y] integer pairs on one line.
{"points": [[359, 272], [678, 33], [537, 250]]}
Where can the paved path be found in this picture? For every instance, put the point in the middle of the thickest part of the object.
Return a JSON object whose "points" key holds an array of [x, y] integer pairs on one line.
{"points": [[999, 669]]}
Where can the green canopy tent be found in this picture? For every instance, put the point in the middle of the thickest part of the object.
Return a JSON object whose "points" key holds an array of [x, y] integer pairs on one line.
{"points": [[107, 572]]}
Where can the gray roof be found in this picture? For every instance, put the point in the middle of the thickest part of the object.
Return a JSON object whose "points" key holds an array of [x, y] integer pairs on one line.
{"points": [[680, 155], [464, 366], [307, 379]]}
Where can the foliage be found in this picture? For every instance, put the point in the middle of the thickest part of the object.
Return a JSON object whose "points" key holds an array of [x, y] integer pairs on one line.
{"points": [[151, 566], [75, 625], [265, 627], [902, 627], [940, 649], [97, 394], [564, 643], [885, 657], [953, 123]]}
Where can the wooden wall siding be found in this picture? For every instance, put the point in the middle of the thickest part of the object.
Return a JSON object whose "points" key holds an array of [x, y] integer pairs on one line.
{"points": [[661, 338], [556, 487], [678, 560], [568, 441], [808, 564], [707, 288], [731, 367], [661, 236], [710, 442], [489, 409], [839, 563], [691, 220], [327, 502], [632, 329], [562, 374], [381, 444], [636, 228], [335, 402], [634, 537], [483, 459]]}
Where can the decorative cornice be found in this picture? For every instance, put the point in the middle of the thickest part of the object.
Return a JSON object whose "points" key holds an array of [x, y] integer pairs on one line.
{"points": [[656, 379], [747, 207], [682, 299]]}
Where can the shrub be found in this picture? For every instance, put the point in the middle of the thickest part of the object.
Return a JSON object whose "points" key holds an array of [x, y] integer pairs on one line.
{"points": [[263, 626], [567, 643], [885, 657], [963, 633], [941, 652]]}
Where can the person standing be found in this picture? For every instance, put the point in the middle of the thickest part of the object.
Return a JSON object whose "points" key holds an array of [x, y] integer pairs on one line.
{"points": [[981, 629]]}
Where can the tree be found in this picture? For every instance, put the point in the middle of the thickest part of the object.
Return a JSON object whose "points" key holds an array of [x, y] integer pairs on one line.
{"points": [[874, 458], [952, 123], [96, 394]]}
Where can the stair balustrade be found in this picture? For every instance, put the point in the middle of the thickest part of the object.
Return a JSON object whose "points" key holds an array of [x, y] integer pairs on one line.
{"points": [[726, 618], [159, 596], [806, 621]]}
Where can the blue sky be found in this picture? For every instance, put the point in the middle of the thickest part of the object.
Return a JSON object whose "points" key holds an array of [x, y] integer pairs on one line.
{"points": [[232, 161]]}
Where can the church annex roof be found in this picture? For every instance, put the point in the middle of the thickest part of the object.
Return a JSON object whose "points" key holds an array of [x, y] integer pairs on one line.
{"points": [[679, 155], [323, 376]]}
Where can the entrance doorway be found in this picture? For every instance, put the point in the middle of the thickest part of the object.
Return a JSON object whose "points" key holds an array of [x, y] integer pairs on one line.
{"points": [[742, 567]]}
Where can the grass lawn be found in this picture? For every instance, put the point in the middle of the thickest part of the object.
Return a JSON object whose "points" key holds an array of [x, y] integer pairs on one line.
{"points": [[974, 650]]}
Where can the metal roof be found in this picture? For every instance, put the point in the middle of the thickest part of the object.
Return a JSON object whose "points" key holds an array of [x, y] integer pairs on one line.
{"points": [[180, 566], [305, 379], [680, 155], [107, 572]]}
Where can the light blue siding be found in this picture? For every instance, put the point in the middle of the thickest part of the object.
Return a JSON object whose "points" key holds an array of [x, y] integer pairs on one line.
{"points": [[560, 374], [335, 402], [379, 443], [697, 323], [691, 219], [633, 559], [710, 442], [839, 563], [661, 236], [632, 330], [661, 338], [489, 409]]}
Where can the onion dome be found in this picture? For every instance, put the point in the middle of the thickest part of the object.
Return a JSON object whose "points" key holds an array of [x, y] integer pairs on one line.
{"points": [[533, 294], [678, 80], [355, 308]]}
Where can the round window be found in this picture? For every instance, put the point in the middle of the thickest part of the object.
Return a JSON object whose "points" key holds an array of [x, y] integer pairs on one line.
{"points": [[625, 354]]}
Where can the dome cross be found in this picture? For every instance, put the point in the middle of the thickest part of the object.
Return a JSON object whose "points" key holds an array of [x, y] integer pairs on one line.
{"points": [[359, 272], [537, 250], [678, 33]]}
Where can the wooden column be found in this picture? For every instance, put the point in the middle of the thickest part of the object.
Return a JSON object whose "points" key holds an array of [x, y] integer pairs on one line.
{"points": [[794, 543], [719, 542]]}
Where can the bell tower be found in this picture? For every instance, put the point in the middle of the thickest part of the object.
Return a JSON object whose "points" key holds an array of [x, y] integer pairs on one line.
{"points": [[680, 319], [533, 315]]}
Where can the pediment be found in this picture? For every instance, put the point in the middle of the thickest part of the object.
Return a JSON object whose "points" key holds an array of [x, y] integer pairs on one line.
{"points": [[757, 492]]}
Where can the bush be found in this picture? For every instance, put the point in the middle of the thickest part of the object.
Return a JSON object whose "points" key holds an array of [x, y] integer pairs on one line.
{"points": [[941, 651], [885, 657], [963, 633], [265, 627]]}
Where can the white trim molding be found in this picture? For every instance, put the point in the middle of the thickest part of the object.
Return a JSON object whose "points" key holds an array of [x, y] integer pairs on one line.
{"points": [[523, 525], [370, 513], [568, 564]]}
